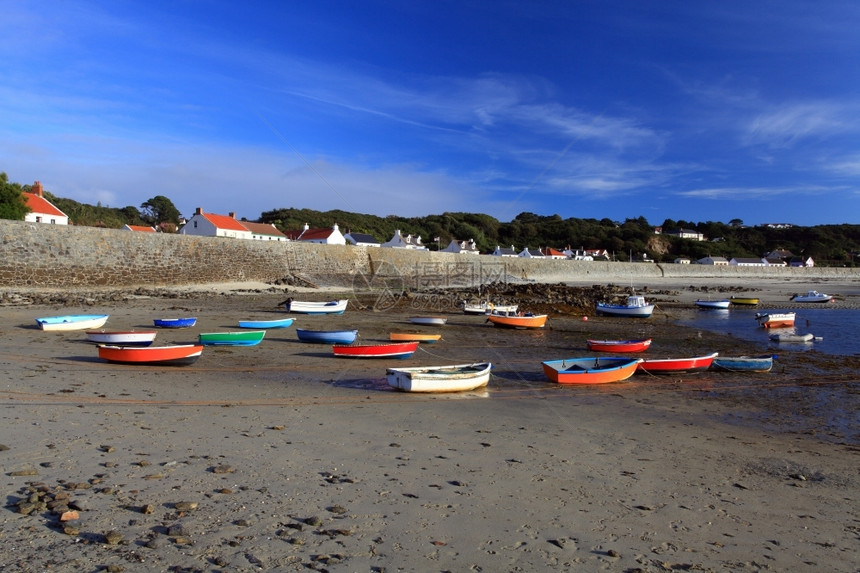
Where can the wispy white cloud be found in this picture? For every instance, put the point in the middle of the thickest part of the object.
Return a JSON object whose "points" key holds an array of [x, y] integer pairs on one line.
{"points": [[754, 193], [788, 124]]}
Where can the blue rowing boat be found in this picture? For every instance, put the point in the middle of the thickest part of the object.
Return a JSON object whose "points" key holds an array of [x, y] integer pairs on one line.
{"points": [[265, 324], [175, 322], [327, 336]]}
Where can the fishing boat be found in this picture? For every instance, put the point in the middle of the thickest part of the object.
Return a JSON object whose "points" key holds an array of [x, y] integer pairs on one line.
{"points": [[636, 307], [487, 307], [429, 320], [791, 337], [619, 345], [454, 378], [327, 336], [595, 370], [744, 300], [775, 320], [812, 296], [238, 338], [266, 324], [527, 320], [676, 365], [330, 307], [383, 350], [414, 336], [122, 337], [175, 322], [72, 322], [762, 363], [713, 304], [176, 355]]}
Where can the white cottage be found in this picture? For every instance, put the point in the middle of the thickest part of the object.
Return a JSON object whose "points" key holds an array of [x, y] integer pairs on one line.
{"points": [[211, 225], [462, 247], [42, 210], [398, 241]]}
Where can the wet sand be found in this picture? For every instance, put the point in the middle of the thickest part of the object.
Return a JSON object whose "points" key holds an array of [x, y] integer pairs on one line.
{"points": [[282, 457]]}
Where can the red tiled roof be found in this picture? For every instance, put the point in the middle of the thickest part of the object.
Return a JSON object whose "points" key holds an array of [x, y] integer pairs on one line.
{"points": [[550, 252], [262, 229], [224, 222], [316, 234], [141, 228], [41, 205]]}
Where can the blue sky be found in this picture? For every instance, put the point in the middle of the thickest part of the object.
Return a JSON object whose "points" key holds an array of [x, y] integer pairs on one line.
{"points": [[694, 111]]}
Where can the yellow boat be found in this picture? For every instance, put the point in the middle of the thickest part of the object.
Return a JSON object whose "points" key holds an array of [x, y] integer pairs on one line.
{"points": [[413, 337], [744, 300]]}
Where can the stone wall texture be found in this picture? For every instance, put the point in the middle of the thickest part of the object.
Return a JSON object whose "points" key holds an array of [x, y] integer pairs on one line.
{"points": [[36, 255]]}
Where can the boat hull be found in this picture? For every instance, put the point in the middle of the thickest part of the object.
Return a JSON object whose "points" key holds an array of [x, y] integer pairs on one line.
{"points": [[590, 370], [676, 365], [392, 350], [327, 336], [534, 321], [122, 338], [72, 322], [178, 355], [175, 322], [625, 311], [813, 297], [429, 320], [713, 304], [242, 338], [619, 345], [488, 307], [330, 307], [742, 300], [414, 337], [454, 378], [266, 324], [778, 320], [743, 363], [791, 337]]}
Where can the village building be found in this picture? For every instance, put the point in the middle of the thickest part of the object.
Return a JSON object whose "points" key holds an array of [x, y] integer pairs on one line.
{"points": [[42, 210], [716, 261], [530, 254], [551, 253], [264, 231], [801, 262], [687, 234], [398, 241], [462, 247], [323, 236], [682, 261], [211, 225], [361, 239], [747, 262], [139, 228], [504, 251]]}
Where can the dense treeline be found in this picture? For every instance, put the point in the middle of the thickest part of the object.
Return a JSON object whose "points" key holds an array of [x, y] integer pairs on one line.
{"points": [[833, 245]]}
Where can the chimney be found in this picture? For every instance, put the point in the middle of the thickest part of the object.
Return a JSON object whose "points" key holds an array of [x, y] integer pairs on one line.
{"points": [[306, 227], [198, 211], [37, 189], [232, 214]]}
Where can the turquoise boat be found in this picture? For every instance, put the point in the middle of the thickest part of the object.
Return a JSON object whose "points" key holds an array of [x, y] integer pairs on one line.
{"points": [[264, 324], [241, 338], [762, 363]]}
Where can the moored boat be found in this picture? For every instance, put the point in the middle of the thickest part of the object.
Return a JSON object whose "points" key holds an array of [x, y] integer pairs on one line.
{"points": [[454, 378], [239, 338], [72, 322], [527, 320], [713, 304], [791, 337], [414, 336], [266, 324], [186, 322], [327, 336], [330, 307], [593, 370], [636, 307], [382, 350], [762, 363], [429, 320], [619, 345], [122, 337], [176, 355], [744, 300], [775, 319], [487, 307], [812, 296], [676, 365]]}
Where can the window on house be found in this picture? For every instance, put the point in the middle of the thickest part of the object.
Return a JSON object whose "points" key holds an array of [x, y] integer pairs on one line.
{"points": [[38, 219]]}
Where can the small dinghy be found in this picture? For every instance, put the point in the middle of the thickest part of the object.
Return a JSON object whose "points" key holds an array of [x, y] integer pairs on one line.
{"points": [[72, 322], [177, 355], [122, 337]]}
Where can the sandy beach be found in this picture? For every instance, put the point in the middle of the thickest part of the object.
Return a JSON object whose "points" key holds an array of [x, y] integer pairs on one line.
{"points": [[280, 457]]}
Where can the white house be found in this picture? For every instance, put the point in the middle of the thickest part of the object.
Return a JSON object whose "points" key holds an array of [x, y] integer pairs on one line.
{"points": [[530, 254], [687, 234], [747, 262], [42, 210], [323, 236], [551, 253], [398, 241], [361, 239], [682, 261], [716, 261], [264, 231], [504, 251], [212, 225], [462, 247]]}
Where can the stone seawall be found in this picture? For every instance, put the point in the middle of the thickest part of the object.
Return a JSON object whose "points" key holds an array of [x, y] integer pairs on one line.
{"points": [[56, 256]]}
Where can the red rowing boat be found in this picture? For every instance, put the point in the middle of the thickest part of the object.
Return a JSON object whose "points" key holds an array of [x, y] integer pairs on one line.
{"points": [[676, 365], [383, 350], [175, 355], [619, 345]]}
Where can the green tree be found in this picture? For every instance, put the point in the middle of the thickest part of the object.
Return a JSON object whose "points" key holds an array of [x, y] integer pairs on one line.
{"points": [[12, 204], [158, 210]]}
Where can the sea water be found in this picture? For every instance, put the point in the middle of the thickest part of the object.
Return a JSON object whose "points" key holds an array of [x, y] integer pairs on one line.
{"points": [[834, 328]]}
